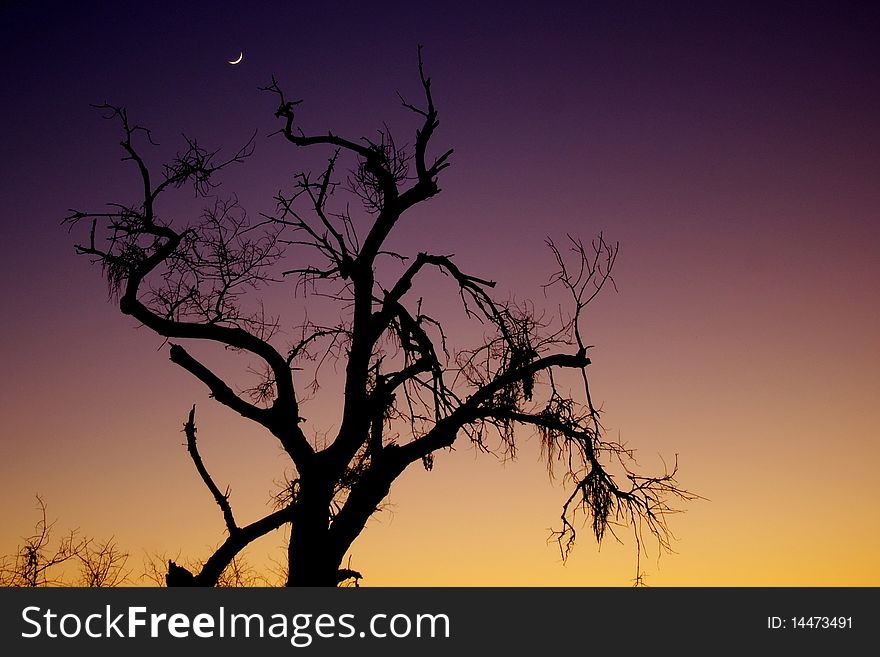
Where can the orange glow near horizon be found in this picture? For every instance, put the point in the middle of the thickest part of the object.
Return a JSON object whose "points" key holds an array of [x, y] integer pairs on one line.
{"points": [[734, 157]]}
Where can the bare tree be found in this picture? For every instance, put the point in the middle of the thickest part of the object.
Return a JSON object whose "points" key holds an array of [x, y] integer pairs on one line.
{"points": [[37, 559], [40, 560], [407, 393], [155, 568], [103, 564]]}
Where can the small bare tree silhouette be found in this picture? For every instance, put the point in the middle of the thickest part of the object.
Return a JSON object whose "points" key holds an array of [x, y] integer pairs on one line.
{"points": [[40, 560]]}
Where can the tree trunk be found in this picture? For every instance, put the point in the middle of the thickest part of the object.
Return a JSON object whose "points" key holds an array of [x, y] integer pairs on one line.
{"points": [[310, 559]]}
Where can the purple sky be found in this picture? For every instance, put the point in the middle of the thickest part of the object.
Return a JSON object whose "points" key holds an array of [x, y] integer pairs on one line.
{"points": [[732, 148]]}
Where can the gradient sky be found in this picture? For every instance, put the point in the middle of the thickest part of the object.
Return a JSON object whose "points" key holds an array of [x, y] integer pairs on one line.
{"points": [[733, 149]]}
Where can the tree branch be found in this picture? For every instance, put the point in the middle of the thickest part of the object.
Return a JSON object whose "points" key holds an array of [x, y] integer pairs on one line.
{"points": [[219, 390], [212, 568], [222, 499], [444, 432]]}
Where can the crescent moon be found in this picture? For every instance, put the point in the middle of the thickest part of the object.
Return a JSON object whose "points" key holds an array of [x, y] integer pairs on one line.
{"points": [[236, 61]]}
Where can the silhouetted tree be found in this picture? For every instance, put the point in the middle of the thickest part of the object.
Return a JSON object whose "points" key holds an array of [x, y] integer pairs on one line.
{"points": [[407, 393], [40, 560], [102, 564]]}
